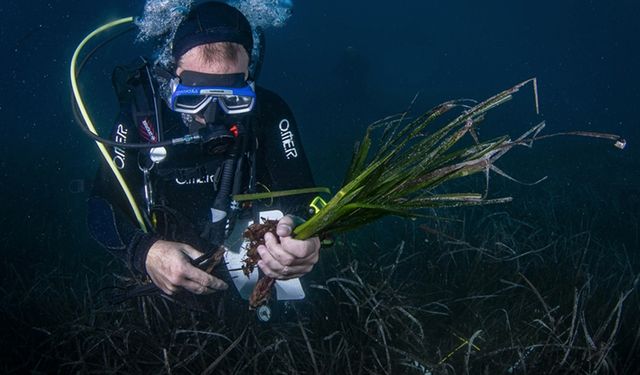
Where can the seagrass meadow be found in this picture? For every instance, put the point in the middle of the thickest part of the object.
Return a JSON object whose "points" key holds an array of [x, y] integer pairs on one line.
{"points": [[544, 280]]}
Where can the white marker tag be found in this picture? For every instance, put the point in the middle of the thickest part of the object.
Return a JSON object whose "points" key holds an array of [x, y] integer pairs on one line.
{"points": [[237, 251]]}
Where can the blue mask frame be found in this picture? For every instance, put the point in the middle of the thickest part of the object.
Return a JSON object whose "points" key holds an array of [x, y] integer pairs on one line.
{"points": [[194, 99]]}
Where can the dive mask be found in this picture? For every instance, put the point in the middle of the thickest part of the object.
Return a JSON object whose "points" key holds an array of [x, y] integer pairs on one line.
{"points": [[193, 92]]}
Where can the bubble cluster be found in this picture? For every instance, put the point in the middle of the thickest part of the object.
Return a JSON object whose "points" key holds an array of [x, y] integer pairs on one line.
{"points": [[161, 18], [265, 13]]}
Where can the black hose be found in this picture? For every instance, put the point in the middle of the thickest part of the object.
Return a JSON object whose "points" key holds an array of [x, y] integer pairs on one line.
{"points": [[226, 183]]}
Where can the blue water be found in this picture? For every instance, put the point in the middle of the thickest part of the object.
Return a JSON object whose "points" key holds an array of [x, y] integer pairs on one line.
{"points": [[342, 65]]}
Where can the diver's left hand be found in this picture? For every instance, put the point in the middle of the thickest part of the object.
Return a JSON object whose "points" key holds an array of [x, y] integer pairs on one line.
{"points": [[289, 258]]}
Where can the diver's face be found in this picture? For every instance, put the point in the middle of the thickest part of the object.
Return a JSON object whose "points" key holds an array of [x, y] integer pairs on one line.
{"points": [[193, 61]]}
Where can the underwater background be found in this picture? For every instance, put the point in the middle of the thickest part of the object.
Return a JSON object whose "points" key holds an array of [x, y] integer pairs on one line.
{"points": [[342, 65]]}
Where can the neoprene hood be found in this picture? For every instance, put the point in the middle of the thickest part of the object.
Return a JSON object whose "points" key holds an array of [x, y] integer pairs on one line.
{"points": [[212, 22]]}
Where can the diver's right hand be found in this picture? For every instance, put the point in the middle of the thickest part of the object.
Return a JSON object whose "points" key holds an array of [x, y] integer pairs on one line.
{"points": [[168, 264]]}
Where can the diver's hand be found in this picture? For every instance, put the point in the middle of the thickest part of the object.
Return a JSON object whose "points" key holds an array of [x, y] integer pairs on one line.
{"points": [[168, 265], [290, 258]]}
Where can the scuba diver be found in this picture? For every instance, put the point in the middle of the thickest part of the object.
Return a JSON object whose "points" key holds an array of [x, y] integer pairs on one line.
{"points": [[237, 138]]}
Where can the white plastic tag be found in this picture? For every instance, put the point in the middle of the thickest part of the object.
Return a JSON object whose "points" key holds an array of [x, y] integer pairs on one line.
{"points": [[237, 251]]}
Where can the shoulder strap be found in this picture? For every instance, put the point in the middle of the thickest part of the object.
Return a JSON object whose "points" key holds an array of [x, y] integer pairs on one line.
{"points": [[125, 77], [136, 89]]}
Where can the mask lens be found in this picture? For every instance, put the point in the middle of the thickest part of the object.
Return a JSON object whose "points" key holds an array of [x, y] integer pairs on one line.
{"points": [[236, 104], [191, 103]]}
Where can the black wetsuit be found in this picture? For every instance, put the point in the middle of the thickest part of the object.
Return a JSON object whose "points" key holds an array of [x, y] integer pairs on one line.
{"points": [[186, 183]]}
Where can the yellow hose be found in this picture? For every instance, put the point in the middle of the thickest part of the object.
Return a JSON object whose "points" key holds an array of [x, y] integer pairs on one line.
{"points": [[89, 123]]}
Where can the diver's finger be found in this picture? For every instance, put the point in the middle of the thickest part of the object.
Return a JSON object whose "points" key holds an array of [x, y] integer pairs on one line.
{"points": [[309, 261], [190, 251], [271, 267], [294, 272], [207, 280], [280, 272], [267, 261], [299, 249], [194, 274], [167, 287], [276, 250], [300, 268], [197, 288]]}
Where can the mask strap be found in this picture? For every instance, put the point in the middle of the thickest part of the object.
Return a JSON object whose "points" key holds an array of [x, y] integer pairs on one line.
{"points": [[163, 73]]}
